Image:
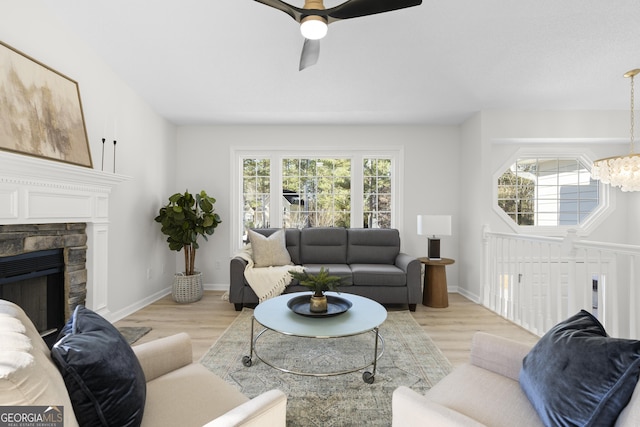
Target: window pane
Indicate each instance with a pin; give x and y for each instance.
(256, 189)
(384, 185)
(509, 206)
(377, 193)
(525, 219)
(322, 190)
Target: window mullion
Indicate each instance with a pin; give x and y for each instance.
(275, 201)
(357, 190)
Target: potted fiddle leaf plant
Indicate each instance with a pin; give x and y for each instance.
(318, 283)
(185, 218)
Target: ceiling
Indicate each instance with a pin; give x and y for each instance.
(236, 61)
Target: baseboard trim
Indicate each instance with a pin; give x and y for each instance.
(121, 314)
(465, 293)
(216, 287)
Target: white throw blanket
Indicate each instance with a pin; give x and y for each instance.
(266, 282)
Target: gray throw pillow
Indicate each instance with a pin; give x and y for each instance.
(269, 251)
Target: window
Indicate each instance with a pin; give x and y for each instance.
(316, 192)
(377, 193)
(256, 192)
(548, 192)
(314, 189)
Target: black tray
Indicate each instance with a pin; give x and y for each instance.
(335, 306)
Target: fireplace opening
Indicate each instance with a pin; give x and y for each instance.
(35, 281)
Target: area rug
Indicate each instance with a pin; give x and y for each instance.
(133, 333)
(410, 358)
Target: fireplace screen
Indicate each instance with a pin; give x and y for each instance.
(35, 281)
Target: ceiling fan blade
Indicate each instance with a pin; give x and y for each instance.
(294, 12)
(346, 10)
(357, 8)
(310, 53)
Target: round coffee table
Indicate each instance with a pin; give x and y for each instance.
(364, 316)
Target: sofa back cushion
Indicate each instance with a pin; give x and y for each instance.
(372, 246)
(323, 245)
(28, 376)
(292, 240)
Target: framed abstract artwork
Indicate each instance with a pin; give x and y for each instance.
(40, 111)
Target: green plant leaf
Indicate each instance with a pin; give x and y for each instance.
(320, 282)
(206, 205)
(185, 218)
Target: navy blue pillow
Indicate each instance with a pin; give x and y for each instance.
(102, 374)
(577, 375)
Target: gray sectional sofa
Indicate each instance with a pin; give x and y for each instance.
(369, 259)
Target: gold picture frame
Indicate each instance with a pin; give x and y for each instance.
(40, 111)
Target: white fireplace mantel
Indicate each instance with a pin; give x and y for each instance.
(40, 191)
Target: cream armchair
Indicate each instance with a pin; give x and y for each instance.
(179, 391)
(484, 392)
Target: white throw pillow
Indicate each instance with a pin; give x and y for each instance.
(269, 251)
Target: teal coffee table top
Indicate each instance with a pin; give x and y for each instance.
(363, 316)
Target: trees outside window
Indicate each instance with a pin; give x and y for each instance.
(377, 193)
(316, 192)
(256, 192)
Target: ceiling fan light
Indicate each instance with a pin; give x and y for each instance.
(313, 27)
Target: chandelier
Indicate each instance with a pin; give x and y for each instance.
(621, 171)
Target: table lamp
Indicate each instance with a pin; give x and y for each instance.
(434, 225)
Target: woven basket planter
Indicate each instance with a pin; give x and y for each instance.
(187, 288)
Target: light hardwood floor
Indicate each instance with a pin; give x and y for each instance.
(206, 320)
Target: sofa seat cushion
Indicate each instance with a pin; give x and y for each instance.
(210, 397)
(489, 398)
(578, 375)
(378, 275)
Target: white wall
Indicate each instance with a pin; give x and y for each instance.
(598, 134)
(430, 176)
(145, 150)
(474, 205)
(490, 138)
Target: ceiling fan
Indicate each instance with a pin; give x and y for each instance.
(314, 19)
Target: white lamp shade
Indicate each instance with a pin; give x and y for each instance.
(434, 225)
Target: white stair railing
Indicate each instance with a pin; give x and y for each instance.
(537, 281)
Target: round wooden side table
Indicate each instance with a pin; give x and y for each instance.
(434, 291)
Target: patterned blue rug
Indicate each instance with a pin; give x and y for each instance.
(410, 358)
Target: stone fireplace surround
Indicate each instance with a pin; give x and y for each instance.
(71, 238)
(67, 206)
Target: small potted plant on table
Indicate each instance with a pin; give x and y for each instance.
(319, 283)
(183, 220)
